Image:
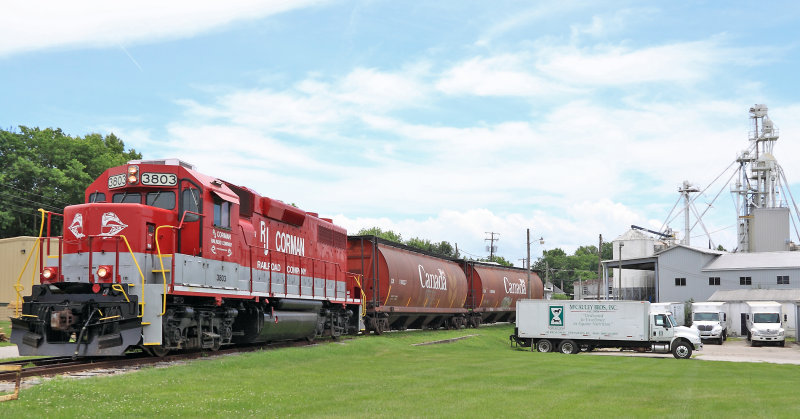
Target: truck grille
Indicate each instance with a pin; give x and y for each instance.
(704, 328)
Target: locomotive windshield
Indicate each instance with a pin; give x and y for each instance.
(127, 198)
(161, 199)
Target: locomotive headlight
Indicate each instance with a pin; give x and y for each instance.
(49, 274)
(133, 174)
(104, 272)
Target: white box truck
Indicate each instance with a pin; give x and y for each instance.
(677, 310)
(765, 323)
(567, 326)
(710, 319)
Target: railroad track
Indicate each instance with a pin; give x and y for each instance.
(66, 365)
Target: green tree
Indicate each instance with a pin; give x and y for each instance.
(377, 231)
(45, 168)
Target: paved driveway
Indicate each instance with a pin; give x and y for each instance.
(731, 350)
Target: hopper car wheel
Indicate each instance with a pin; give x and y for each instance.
(544, 345)
(568, 347)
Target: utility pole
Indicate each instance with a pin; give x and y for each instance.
(619, 261)
(529, 264)
(599, 265)
(491, 247)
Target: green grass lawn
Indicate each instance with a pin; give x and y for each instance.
(386, 376)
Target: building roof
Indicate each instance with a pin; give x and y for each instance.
(694, 249)
(756, 295)
(756, 260)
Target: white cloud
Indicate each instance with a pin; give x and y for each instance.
(500, 75)
(31, 25)
(617, 65)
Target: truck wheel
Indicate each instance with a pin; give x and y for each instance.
(782, 343)
(719, 341)
(682, 350)
(569, 347)
(544, 345)
(724, 335)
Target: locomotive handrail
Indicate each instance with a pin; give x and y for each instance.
(161, 261)
(360, 288)
(141, 304)
(325, 263)
(18, 287)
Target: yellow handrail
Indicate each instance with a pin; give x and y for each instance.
(18, 286)
(163, 274)
(141, 303)
(363, 296)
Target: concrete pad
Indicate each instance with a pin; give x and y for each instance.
(9, 351)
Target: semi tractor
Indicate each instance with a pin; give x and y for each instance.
(765, 323)
(710, 319)
(568, 326)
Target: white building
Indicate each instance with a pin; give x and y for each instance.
(737, 309)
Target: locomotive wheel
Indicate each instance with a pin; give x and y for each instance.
(156, 350)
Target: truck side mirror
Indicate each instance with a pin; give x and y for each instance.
(785, 318)
(747, 317)
(724, 317)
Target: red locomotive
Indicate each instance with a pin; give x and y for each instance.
(163, 257)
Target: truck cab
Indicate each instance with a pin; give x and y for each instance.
(710, 320)
(765, 323)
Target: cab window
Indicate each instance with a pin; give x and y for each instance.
(222, 213)
(161, 199)
(127, 198)
(97, 197)
(190, 198)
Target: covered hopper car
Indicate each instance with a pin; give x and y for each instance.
(405, 288)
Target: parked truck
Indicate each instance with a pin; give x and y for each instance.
(677, 310)
(567, 326)
(710, 319)
(765, 323)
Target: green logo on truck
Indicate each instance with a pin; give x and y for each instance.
(556, 315)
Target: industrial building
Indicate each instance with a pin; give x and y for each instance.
(764, 266)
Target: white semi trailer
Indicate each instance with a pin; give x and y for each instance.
(567, 326)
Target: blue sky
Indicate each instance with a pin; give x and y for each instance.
(442, 120)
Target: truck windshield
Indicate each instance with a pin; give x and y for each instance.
(706, 317)
(672, 320)
(766, 318)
